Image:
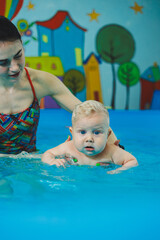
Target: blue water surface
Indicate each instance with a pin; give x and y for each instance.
(38, 201)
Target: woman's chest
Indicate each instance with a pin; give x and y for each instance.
(14, 101)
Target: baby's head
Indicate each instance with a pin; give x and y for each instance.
(90, 124)
(88, 108)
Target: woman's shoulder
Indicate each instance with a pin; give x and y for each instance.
(38, 74)
(35, 74)
(45, 83)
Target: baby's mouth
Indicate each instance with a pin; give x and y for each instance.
(89, 148)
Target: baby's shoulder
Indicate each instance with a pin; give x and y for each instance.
(67, 145)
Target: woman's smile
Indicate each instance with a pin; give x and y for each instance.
(15, 75)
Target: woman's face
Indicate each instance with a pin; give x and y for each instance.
(12, 62)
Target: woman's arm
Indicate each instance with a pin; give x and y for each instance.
(47, 84)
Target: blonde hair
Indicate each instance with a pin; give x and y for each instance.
(87, 108)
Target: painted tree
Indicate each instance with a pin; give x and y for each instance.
(128, 74)
(74, 80)
(115, 44)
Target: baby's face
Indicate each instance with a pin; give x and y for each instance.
(90, 134)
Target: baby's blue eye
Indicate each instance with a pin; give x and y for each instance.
(82, 131)
(97, 132)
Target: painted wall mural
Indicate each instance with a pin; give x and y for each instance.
(61, 36)
(115, 45)
(150, 87)
(137, 8)
(93, 81)
(128, 74)
(10, 8)
(74, 80)
(94, 49)
(25, 29)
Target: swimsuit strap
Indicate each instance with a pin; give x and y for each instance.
(30, 81)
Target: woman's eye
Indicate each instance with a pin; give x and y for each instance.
(4, 63)
(17, 57)
(82, 131)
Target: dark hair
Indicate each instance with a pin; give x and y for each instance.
(8, 31)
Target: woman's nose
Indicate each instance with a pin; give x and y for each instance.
(13, 66)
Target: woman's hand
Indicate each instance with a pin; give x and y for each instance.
(68, 138)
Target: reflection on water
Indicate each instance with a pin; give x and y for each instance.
(50, 201)
(24, 175)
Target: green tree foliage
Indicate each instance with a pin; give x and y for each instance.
(128, 74)
(115, 44)
(74, 80)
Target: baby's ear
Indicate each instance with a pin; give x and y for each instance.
(70, 129)
(109, 133)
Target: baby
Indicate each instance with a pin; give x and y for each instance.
(90, 144)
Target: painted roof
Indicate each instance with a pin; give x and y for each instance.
(89, 56)
(151, 74)
(57, 20)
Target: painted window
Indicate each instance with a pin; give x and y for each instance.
(78, 55)
(67, 28)
(92, 68)
(45, 54)
(39, 66)
(45, 38)
(96, 95)
(67, 20)
(54, 66)
(27, 64)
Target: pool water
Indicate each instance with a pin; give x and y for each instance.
(38, 201)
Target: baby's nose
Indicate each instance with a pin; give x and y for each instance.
(89, 139)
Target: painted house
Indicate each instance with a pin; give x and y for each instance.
(93, 82)
(52, 65)
(61, 36)
(150, 82)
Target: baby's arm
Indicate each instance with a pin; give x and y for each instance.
(124, 158)
(49, 156)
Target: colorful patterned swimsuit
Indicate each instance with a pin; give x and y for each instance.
(18, 131)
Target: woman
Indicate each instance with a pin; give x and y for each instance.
(20, 92)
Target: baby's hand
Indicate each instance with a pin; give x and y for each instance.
(58, 162)
(114, 171)
(50, 159)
